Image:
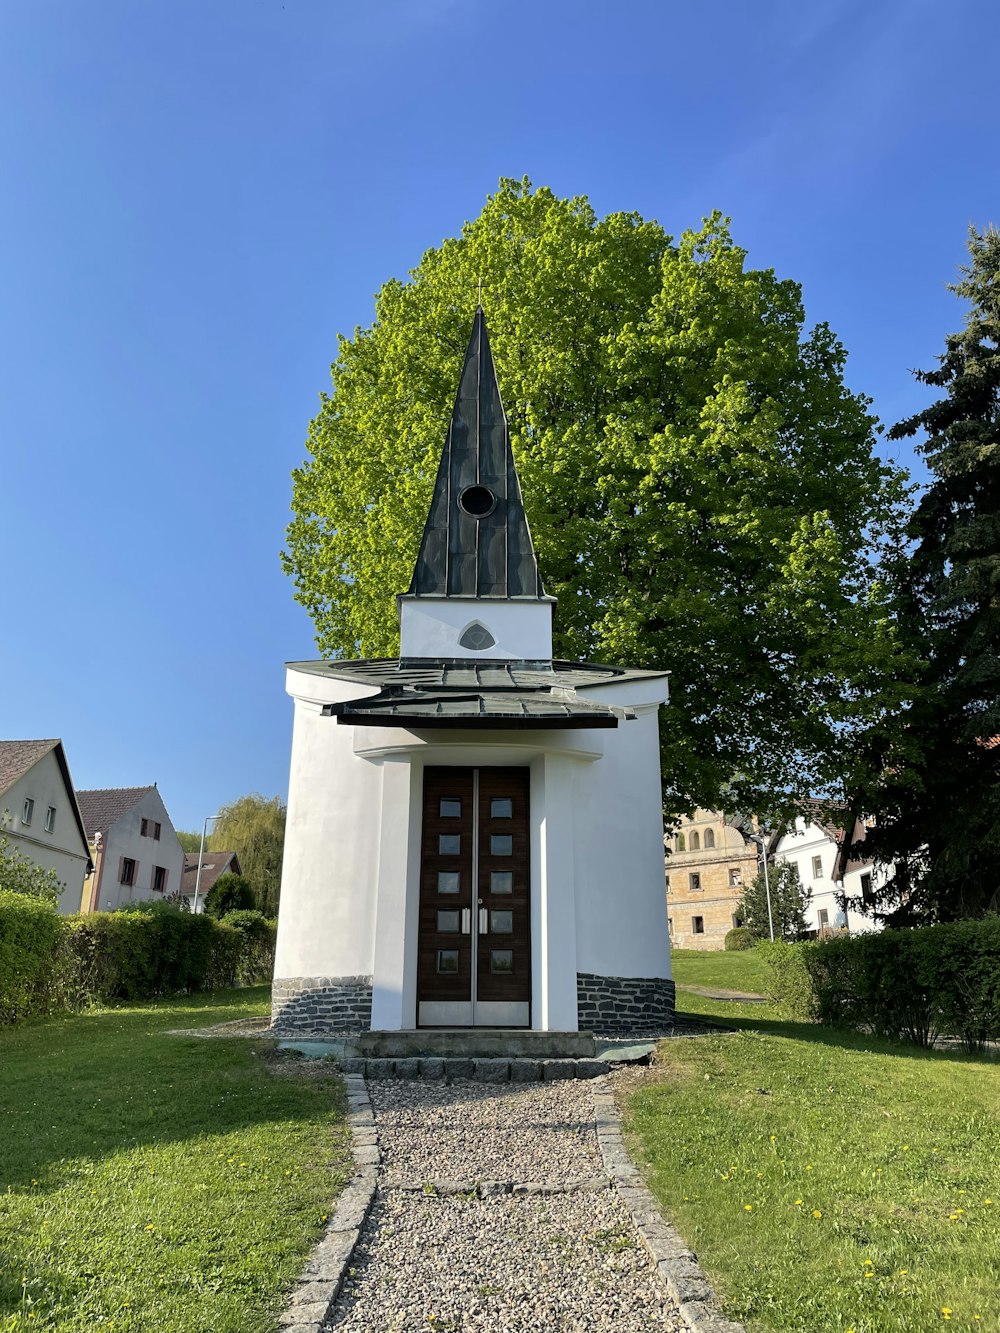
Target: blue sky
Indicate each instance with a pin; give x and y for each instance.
(198, 195)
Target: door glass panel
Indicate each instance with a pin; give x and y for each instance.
(501, 844)
(501, 923)
(501, 960)
(447, 960)
(451, 807)
(501, 881)
(449, 881)
(449, 844)
(502, 808)
(448, 922)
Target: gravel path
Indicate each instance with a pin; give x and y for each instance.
(494, 1212)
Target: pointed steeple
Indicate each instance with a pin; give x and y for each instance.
(476, 541)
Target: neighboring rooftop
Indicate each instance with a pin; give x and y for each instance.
(103, 806)
(214, 865)
(16, 757)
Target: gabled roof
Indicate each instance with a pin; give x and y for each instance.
(18, 757)
(476, 541)
(103, 806)
(213, 865)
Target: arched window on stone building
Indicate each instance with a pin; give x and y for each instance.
(695, 841)
(709, 838)
(680, 842)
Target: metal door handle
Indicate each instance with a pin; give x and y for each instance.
(466, 920)
(483, 921)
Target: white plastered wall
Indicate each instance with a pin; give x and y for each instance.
(350, 880)
(432, 627)
(63, 850)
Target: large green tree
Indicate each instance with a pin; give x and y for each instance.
(932, 773)
(789, 900)
(702, 487)
(254, 827)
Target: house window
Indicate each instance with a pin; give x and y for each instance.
(737, 920)
(680, 842)
(694, 883)
(144, 828)
(735, 877)
(127, 875)
(824, 918)
(156, 832)
(159, 879)
(149, 828)
(817, 867)
(50, 819)
(695, 841)
(709, 838)
(670, 926)
(667, 879)
(867, 896)
(698, 925)
(26, 813)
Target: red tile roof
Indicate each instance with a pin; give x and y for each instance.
(103, 806)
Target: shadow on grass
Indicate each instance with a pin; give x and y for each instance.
(78, 1088)
(842, 1038)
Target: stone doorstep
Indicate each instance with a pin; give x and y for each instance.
(489, 1069)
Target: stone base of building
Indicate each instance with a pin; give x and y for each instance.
(624, 1004)
(321, 1004)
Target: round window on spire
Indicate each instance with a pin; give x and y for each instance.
(477, 501)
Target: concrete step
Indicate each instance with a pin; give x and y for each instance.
(486, 1069)
(476, 1043)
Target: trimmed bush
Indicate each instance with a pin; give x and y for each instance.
(230, 893)
(51, 962)
(913, 985)
(256, 962)
(789, 983)
(30, 932)
(739, 939)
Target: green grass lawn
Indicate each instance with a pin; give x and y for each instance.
(718, 969)
(828, 1182)
(158, 1184)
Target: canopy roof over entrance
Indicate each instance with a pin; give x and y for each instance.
(457, 692)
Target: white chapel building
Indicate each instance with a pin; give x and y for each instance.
(474, 833)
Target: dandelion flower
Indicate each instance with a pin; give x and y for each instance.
(748, 1207)
(817, 1212)
(798, 1203)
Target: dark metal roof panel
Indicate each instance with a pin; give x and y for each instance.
(464, 553)
(462, 673)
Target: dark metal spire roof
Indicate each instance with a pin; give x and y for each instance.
(476, 541)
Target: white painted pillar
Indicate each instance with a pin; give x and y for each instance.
(389, 1009)
(553, 874)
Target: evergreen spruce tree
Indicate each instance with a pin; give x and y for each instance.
(938, 789)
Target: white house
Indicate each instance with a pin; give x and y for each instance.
(39, 814)
(821, 851)
(474, 832)
(135, 849)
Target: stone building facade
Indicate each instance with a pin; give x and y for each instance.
(708, 862)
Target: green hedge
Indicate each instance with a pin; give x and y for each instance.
(913, 985)
(739, 939)
(789, 983)
(30, 935)
(50, 962)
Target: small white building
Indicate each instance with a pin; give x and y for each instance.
(821, 851)
(39, 814)
(474, 832)
(136, 852)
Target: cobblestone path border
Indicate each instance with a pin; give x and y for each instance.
(313, 1296)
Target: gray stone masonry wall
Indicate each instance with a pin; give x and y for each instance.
(321, 1005)
(624, 1004)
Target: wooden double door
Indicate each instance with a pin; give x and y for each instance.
(474, 966)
